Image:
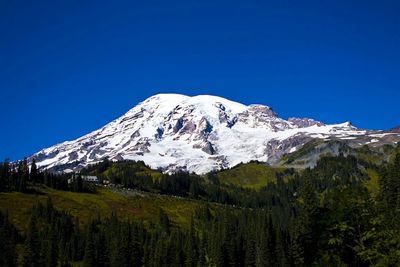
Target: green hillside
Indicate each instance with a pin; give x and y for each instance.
(85, 206)
(251, 175)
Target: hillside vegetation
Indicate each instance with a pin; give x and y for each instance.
(251, 175)
(127, 205)
(343, 212)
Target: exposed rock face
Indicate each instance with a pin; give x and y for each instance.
(206, 147)
(200, 134)
(277, 148)
(304, 122)
(395, 130)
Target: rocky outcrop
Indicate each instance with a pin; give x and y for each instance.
(304, 122)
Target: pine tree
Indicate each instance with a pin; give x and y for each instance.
(89, 259)
(250, 253)
(164, 221)
(32, 246)
(191, 248)
(49, 249)
(390, 192)
(8, 237)
(5, 176)
(25, 170)
(136, 250)
(121, 254)
(102, 256)
(303, 242)
(280, 249)
(22, 173)
(202, 252)
(79, 183)
(34, 172)
(261, 255)
(271, 242)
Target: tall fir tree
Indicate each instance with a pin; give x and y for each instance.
(34, 171)
(32, 245)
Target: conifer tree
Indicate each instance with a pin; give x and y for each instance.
(191, 247)
(32, 246)
(164, 221)
(34, 172)
(8, 237)
(21, 176)
(90, 253)
(49, 248)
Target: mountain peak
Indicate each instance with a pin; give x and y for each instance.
(195, 133)
(166, 97)
(193, 100)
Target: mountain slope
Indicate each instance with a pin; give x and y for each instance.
(199, 134)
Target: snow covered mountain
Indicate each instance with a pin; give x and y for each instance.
(199, 134)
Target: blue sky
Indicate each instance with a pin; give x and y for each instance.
(68, 68)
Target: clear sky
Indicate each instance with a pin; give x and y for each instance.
(69, 67)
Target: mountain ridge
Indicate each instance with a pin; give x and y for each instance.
(200, 134)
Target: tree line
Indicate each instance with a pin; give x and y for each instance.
(323, 216)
